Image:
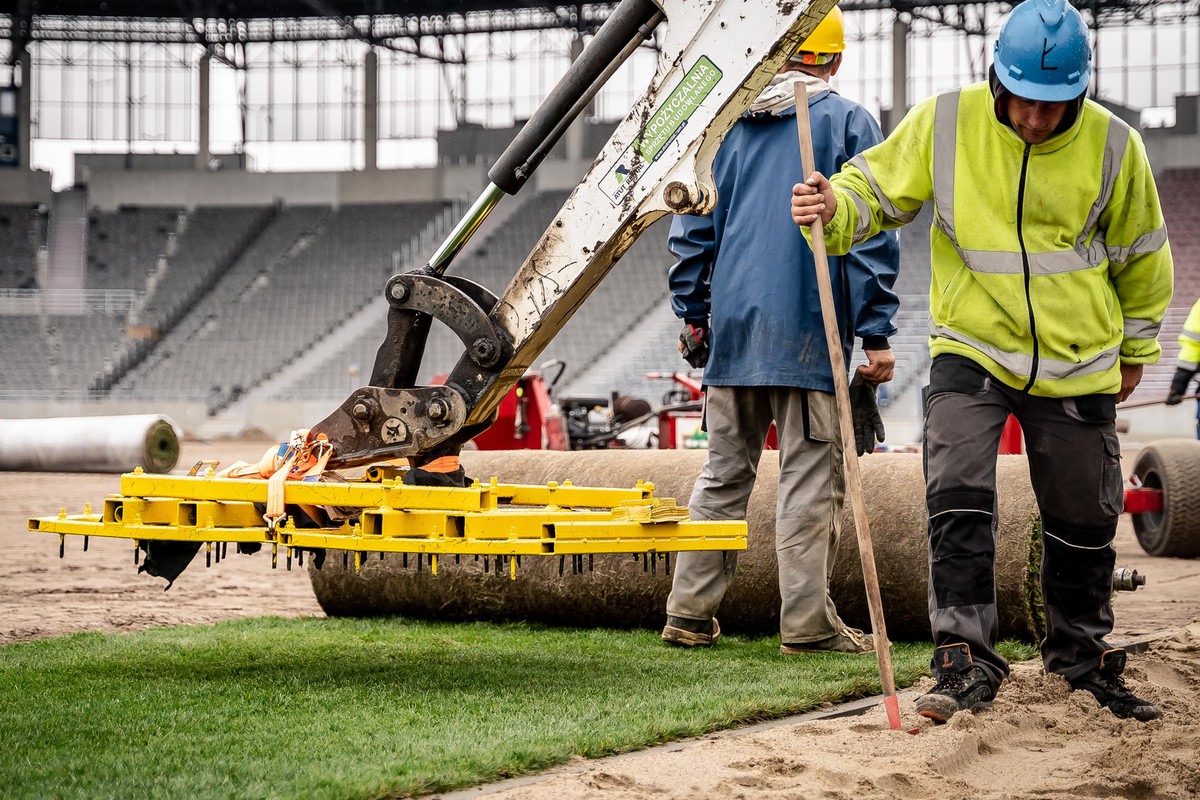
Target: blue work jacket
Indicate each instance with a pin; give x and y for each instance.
(748, 269)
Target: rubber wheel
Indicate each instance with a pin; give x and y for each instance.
(1173, 466)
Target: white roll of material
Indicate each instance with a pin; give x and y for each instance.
(90, 444)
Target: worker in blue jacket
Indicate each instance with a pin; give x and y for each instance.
(745, 286)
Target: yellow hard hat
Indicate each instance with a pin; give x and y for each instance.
(828, 37)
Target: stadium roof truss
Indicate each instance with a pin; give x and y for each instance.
(217, 23)
(330, 36)
(391, 24)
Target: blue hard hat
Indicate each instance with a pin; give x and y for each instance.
(1043, 51)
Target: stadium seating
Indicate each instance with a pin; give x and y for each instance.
(211, 239)
(123, 246)
(635, 285)
(230, 296)
(308, 270)
(22, 232)
(83, 346)
(25, 354)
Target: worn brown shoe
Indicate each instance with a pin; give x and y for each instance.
(847, 640)
(684, 632)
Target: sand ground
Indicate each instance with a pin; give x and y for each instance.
(1038, 741)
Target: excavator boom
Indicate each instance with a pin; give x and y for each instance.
(715, 57)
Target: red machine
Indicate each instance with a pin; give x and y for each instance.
(527, 419)
(530, 418)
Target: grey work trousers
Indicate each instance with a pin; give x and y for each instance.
(808, 508)
(1074, 466)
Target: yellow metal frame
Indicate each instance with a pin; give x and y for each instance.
(488, 519)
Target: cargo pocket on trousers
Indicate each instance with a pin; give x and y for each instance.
(820, 417)
(1112, 489)
(1091, 408)
(953, 374)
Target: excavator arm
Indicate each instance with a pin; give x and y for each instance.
(715, 57)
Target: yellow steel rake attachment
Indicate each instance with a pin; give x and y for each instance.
(379, 514)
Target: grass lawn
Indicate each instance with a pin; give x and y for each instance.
(341, 708)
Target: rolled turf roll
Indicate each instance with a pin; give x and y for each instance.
(89, 444)
(620, 591)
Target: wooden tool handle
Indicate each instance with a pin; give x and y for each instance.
(837, 361)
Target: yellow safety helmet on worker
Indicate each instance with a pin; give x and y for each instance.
(825, 43)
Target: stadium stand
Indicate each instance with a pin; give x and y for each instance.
(491, 264)
(237, 294)
(648, 348)
(22, 232)
(123, 246)
(309, 269)
(634, 286)
(209, 243)
(83, 346)
(25, 354)
(160, 372)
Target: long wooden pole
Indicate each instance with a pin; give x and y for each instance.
(837, 360)
(1148, 403)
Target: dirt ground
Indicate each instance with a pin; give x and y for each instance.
(1038, 741)
(101, 590)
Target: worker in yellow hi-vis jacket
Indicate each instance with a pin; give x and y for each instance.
(1051, 272)
(1189, 362)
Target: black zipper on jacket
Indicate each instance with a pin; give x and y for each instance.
(1025, 266)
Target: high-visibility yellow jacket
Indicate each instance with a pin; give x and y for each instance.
(1189, 341)
(1050, 262)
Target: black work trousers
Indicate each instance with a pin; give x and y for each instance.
(1075, 470)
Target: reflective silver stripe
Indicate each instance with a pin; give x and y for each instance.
(1053, 369)
(1190, 335)
(889, 208)
(1147, 243)
(1078, 546)
(864, 217)
(1192, 365)
(1021, 365)
(945, 147)
(999, 262)
(1016, 363)
(963, 511)
(1114, 153)
(1141, 328)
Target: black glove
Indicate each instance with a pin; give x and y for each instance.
(1179, 385)
(693, 342)
(868, 425)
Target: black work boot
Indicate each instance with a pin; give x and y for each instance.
(1106, 683)
(961, 686)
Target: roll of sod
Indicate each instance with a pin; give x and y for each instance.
(619, 591)
(89, 444)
